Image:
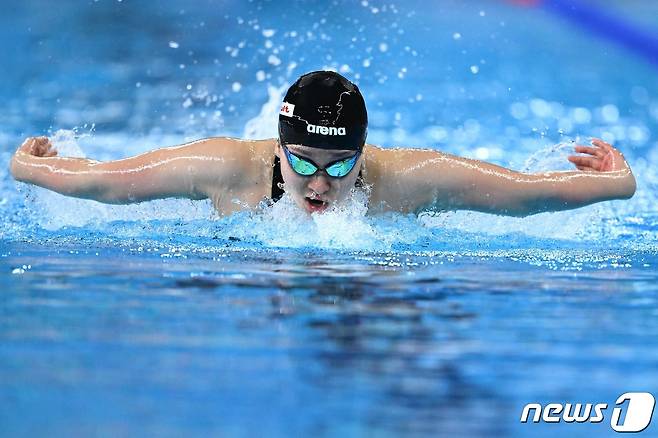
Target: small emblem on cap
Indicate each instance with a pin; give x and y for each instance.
(287, 109)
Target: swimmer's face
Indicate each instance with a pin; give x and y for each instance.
(319, 191)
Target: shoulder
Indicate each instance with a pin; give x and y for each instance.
(225, 157)
(236, 169)
(402, 178)
(387, 162)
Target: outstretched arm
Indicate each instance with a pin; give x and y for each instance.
(187, 171)
(435, 181)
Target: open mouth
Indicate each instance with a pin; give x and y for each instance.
(316, 204)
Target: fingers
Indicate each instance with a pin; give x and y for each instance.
(589, 162)
(27, 145)
(597, 152)
(603, 145)
(599, 142)
(38, 146)
(41, 146)
(599, 145)
(48, 150)
(601, 157)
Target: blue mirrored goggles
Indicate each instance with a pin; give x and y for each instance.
(306, 167)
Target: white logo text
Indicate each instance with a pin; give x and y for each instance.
(637, 406)
(325, 130)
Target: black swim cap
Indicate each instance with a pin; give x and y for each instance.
(323, 110)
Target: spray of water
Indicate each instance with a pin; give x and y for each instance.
(346, 226)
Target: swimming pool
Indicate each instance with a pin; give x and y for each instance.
(162, 318)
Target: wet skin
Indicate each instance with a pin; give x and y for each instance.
(320, 191)
(237, 174)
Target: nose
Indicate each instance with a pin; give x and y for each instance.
(319, 184)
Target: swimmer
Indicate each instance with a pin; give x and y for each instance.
(319, 157)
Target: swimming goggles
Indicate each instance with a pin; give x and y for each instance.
(306, 167)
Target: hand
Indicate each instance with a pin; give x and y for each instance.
(38, 147)
(602, 157)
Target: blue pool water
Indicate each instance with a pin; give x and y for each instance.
(164, 319)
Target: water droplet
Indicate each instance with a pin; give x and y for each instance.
(610, 113)
(274, 60)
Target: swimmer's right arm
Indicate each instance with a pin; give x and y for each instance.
(187, 171)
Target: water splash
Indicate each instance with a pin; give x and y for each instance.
(346, 226)
(264, 125)
(52, 211)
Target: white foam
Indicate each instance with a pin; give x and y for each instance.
(53, 211)
(264, 125)
(345, 226)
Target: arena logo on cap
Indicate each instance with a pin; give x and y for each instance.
(325, 130)
(287, 109)
(634, 417)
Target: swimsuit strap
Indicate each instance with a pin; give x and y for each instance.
(359, 179)
(277, 180)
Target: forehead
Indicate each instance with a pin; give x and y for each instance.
(320, 153)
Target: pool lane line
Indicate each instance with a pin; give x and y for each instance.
(605, 24)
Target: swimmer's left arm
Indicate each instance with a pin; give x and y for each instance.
(437, 181)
